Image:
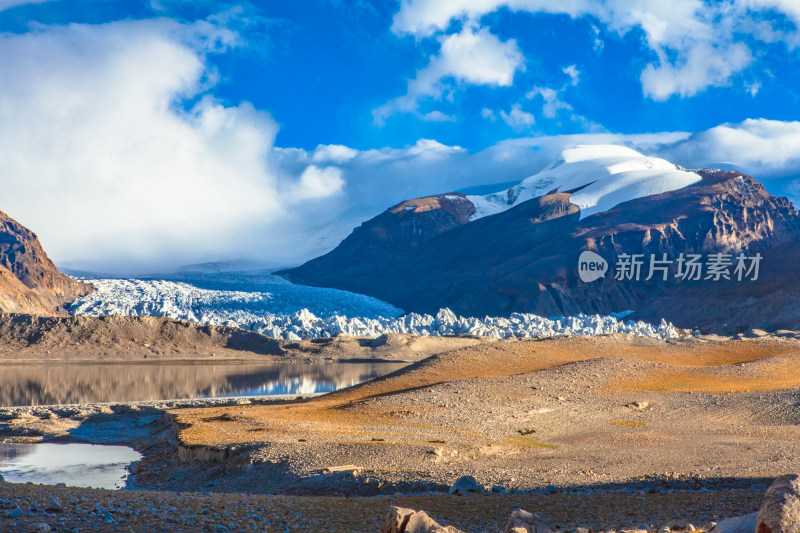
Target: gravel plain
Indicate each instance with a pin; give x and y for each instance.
(613, 432)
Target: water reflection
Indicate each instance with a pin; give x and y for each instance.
(60, 383)
(76, 465)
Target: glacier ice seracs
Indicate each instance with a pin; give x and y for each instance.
(285, 315)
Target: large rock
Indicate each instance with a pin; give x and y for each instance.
(401, 520)
(522, 521)
(465, 485)
(739, 524)
(420, 522)
(53, 505)
(780, 510)
(397, 520)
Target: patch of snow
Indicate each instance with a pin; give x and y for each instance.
(606, 176)
(284, 314)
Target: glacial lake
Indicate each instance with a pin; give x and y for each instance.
(75, 465)
(49, 383)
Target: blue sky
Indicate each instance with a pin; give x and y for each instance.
(193, 130)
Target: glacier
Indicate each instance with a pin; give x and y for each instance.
(283, 310)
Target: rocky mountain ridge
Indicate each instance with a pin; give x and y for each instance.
(525, 258)
(29, 281)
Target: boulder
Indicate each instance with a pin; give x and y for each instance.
(397, 520)
(420, 522)
(53, 505)
(739, 524)
(464, 485)
(780, 509)
(522, 521)
(401, 520)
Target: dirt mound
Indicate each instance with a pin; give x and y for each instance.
(115, 337)
(125, 338)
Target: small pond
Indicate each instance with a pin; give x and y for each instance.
(76, 465)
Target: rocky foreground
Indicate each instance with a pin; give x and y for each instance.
(601, 433)
(40, 508)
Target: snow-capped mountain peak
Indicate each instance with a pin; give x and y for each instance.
(601, 176)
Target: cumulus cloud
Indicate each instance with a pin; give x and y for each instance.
(333, 153)
(766, 148)
(438, 116)
(552, 103)
(694, 44)
(113, 151)
(702, 66)
(472, 56)
(517, 118)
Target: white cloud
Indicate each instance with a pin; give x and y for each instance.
(102, 159)
(471, 56)
(767, 148)
(552, 103)
(573, 73)
(317, 182)
(333, 153)
(551, 98)
(704, 65)
(438, 116)
(694, 42)
(753, 88)
(517, 118)
(8, 4)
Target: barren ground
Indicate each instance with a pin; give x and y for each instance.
(591, 431)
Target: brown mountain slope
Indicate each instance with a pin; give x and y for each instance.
(29, 281)
(525, 259)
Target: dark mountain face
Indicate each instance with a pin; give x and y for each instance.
(525, 259)
(29, 281)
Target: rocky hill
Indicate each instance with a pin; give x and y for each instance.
(29, 281)
(521, 255)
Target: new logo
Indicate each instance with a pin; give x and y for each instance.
(591, 267)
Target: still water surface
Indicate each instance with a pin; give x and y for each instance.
(62, 383)
(76, 465)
